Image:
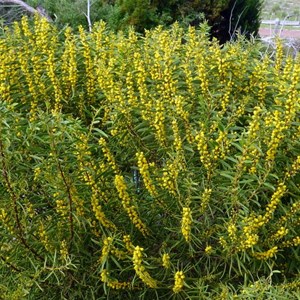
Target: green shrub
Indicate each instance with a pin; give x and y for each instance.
(153, 168)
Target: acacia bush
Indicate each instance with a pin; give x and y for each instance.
(158, 167)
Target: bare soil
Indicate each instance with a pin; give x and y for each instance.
(295, 34)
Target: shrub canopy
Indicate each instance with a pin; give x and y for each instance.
(154, 167)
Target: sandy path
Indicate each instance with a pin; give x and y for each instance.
(264, 32)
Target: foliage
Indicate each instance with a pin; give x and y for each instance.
(147, 168)
(242, 16)
(224, 16)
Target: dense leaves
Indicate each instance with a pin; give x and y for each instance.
(153, 167)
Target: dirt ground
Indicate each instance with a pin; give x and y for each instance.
(264, 32)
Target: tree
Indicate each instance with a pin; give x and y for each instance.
(240, 16)
(225, 17)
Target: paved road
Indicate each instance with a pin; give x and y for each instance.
(264, 32)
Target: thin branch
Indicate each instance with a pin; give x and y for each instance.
(14, 198)
(88, 15)
(10, 265)
(41, 12)
(70, 200)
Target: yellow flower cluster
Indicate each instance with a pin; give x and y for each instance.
(170, 175)
(250, 236)
(166, 260)
(158, 123)
(202, 147)
(232, 231)
(83, 156)
(294, 209)
(5, 59)
(137, 260)
(267, 254)
(202, 73)
(128, 244)
(177, 139)
(222, 146)
(186, 222)
(144, 170)
(55, 82)
(30, 210)
(294, 168)
(89, 66)
(113, 283)
(279, 56)
(129, 208)
(208, 250)
(205, 197)
(69, 63)
(179, 282)
(44, 237)
(4, 221)
(294, 242)
(254, 125)
(257, 80)
(276, 136)
(107, 245)
(275, 199)
(226, 97)
(62, 207)
(108, 155)
(63, 250)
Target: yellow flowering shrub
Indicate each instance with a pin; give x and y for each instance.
(154, 167)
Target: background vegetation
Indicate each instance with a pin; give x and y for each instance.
(281, 9)
(225, 17)
(154, 167)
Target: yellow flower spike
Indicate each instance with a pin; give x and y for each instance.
(275, 199)
(222, 147)
(295, 168)
(202, 147)
(96, 194)
(69, 63)
(177, 139)
(63, 250)
(128, 207)
(276, 136)
(186, 222)
(166, 260)
(205, 199)
(208, 250)
(144, 170)
(108, 155)
(170, 175)
(137, 259)
(25, 27)
(106, 248)
(281, 232)
(89, 66)
(267, 254)
(128, 244)
(232, 231)
(114, 284)
(51, 68)
(44, 237)
(179, 282)
(279, 56)
(62, 208)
